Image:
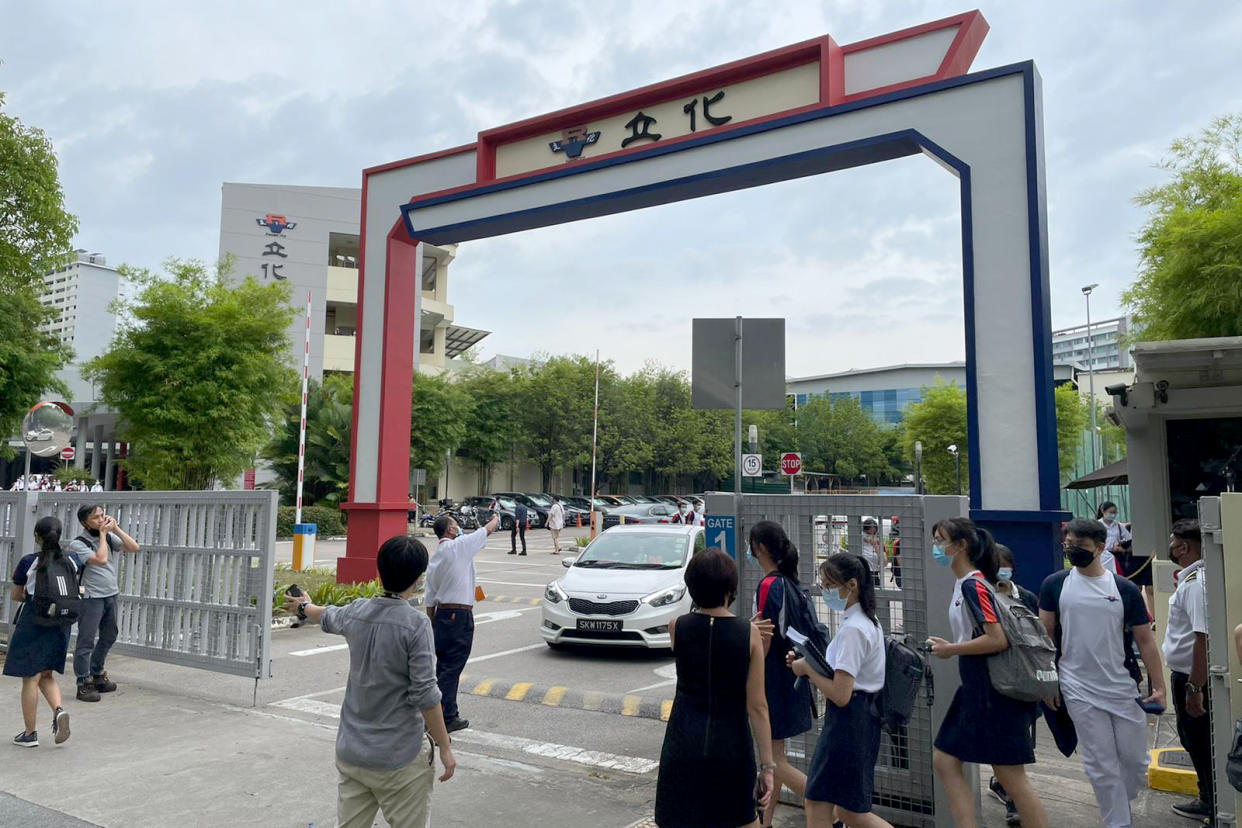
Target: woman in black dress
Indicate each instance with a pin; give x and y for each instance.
(707, 766)
(789, 701)
(34, 650)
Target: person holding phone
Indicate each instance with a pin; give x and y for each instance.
(1096, 617)
(841, 781)
(99, 546)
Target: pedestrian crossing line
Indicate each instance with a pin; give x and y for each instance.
(629, 705)
(553, 697)
(518, 691)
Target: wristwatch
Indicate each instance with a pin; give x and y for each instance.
(1193, 689)
(302, 610)
(767, 766)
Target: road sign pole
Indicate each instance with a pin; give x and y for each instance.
(737, 415)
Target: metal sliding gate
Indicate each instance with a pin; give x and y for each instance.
(912, 601)
(198, 593)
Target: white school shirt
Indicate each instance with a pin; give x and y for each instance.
(556, 517)
(696, 518)
(961, 617)
(1116, 535)
(1187, 616)
(858, 649)
(450, 575)
(1109, 561)
(1093, 617)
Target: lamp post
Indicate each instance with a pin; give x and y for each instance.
(918, 466)
(957, 465)
(1086, 291)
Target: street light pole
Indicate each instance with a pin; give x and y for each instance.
(918, 467)
(1086, 291)
(957, 465)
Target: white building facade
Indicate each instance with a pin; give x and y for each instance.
(1099, 349)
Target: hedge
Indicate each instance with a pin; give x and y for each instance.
(330, 520)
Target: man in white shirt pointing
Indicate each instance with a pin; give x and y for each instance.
(449, 598)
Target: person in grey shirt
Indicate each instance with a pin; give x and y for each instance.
(391, 697)
(97, 618)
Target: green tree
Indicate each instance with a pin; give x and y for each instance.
(841, 438)
(1190, 272)
(1072, 418)
(35, 235)
(939, 421)
(329, 426)
(439, 409)
(556, 409)
(200, 377)
(493, 425)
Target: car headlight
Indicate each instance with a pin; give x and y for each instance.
(665, 596)
(554, 594)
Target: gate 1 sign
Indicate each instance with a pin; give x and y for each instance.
(721, 531)
(791, 463)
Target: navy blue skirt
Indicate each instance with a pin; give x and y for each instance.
(34, 648)
(982, 726)
(843, 768)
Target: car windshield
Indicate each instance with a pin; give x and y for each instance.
(540, 500)
(635, 550)
(505, 503)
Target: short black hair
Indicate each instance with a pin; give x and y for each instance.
(1187, 529)
(401, 561)
(85, 511)
(1087, 528)
(1004, 555)
(711, 577)
(440, 527)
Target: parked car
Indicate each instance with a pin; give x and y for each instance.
(507, 508)
(575, 508)
(537, 512)
(623, 589)
(612, 500)
(640, 513)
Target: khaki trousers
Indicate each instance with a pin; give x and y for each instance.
(403, 794)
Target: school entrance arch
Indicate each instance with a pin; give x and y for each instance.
(810, 108)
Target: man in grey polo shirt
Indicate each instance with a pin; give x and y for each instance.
(97, 618)
(383, 760)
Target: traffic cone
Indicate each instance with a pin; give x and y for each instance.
(580, 520)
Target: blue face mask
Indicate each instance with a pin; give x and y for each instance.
(1005, 574)
(834, 600)
(940, 555)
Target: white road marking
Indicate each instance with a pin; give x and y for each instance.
(667, 671)
(505, 653)
(501, 615)
(567, 753)
(550, 750)
(510, 583)
(331, 648)
(652, 686)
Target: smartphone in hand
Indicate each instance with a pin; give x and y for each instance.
(295, 591)
(1154, 708)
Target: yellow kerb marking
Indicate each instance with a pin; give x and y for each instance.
(666, 709)
(483, 687)
(553, 697)
(518, 691)
(629, 705)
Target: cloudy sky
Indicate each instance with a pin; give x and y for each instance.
(151, 106)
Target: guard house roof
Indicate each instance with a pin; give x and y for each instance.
(1190, 363)
(459, 339)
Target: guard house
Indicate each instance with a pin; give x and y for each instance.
(1183, 421)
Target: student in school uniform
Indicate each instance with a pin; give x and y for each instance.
(1096, 617)
(981, 726)
(841, 780)
(1117, 539)
(1006, 585)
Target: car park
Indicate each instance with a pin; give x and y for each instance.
(640, 513)
(623, 589)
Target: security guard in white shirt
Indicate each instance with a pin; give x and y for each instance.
(449, 598)
(1185, 650)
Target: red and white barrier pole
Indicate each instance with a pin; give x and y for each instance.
(304, 534)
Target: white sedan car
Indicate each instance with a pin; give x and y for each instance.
(623, 589)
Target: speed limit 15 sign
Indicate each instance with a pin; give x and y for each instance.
(752, 465)
(791, 463)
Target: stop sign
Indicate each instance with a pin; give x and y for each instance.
(67, 453)
(791, 463)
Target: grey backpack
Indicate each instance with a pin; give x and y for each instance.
(1027, 669)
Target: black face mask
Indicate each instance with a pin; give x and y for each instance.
(1173, 556)
(1080, 557)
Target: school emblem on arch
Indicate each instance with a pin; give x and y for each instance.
(276, 224)
(574, 141)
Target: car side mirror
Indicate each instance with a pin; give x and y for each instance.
(568, 561)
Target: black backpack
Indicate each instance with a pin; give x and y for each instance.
(904, 672)
(57, 598)
(798, 612)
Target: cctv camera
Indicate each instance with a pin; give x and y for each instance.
(1115, 390)
(1162, 385)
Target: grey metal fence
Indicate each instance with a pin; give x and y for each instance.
(198, 593)
(912, 602)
